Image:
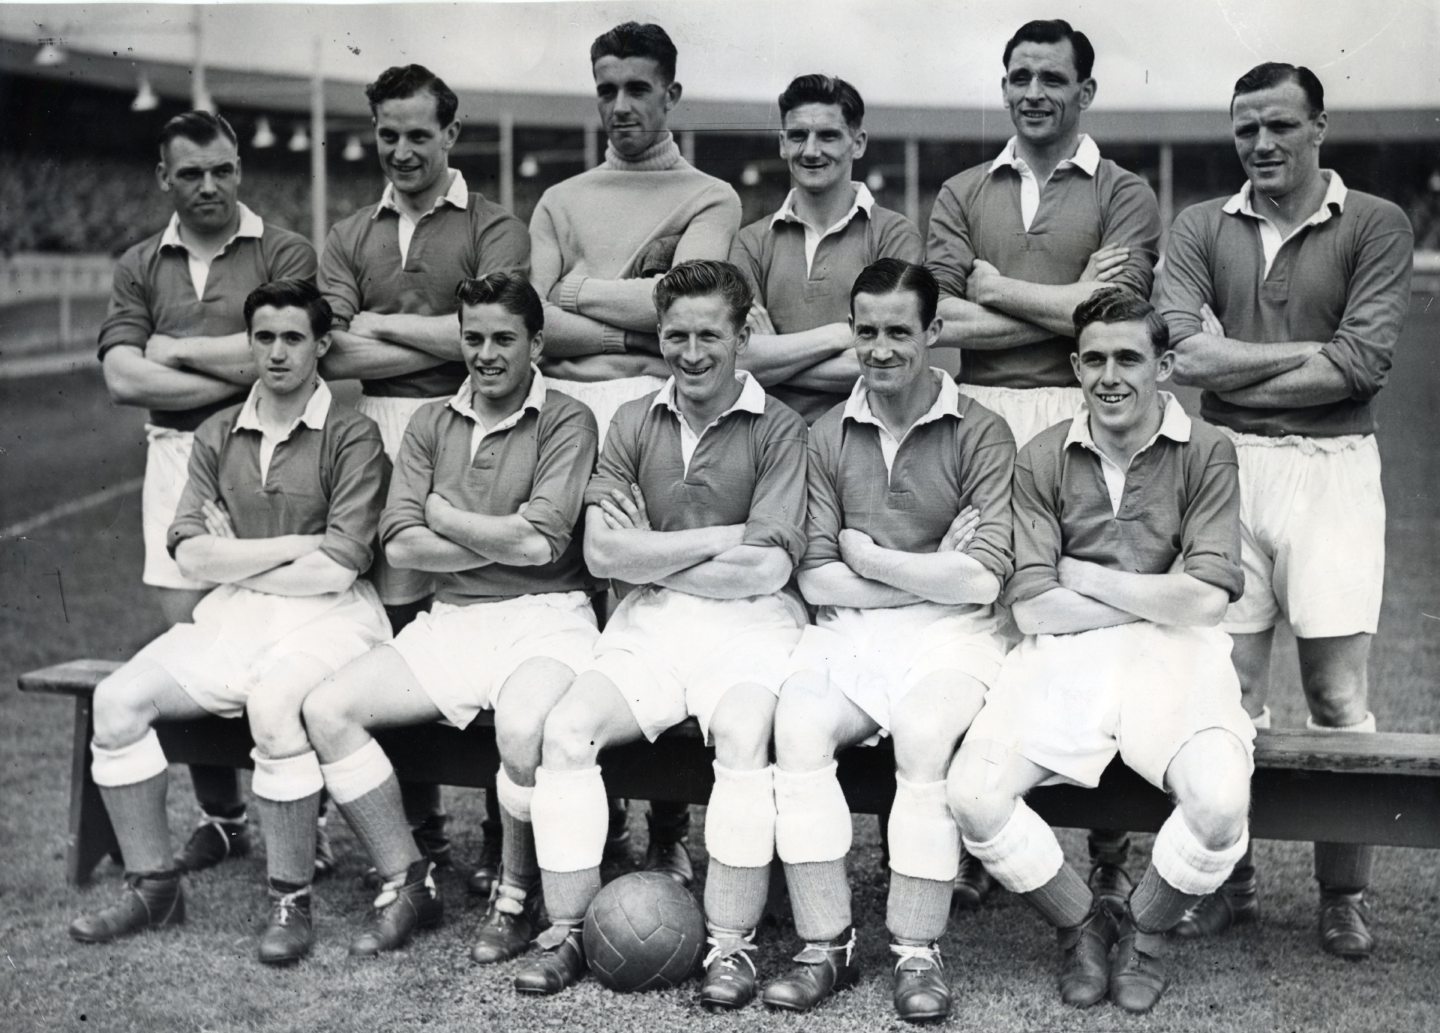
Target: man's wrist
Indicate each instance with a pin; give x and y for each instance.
(614, 340)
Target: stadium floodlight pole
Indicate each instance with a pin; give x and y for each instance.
(317, 148)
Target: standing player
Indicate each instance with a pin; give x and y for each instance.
(599, 243)
(1285, 302)
(486, 494)
(390, 270)
(908, 545)
(698, 499)
(801, 261)
(279, 511)
(174, 342)
(1127, 543)
(1016, 244)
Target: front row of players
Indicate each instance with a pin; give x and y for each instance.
(1125, 555)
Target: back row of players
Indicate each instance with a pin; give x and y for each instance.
(1134, 526)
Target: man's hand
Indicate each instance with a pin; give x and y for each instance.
(980, 284)
(437, 508)
(625, 512)
(759, 320)
(1106, 264)
(367, 324)
(1074, 574)
(856, 548)
(961, 531)
(166, 350)
(217, 519)
(1209, 323)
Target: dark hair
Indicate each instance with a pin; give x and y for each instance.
(1274, 73)
(292, 294)
(824, 89)
(401, 81)
(1055, 30)
(632, 39)
(894, 275)
(510, 291)
(703, 277)
(199, 127)
(1118, 305)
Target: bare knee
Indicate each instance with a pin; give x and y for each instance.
(1337, 699)
(806, 736)
(519, 733)
(569, 740)
(741, 735)
(122, 710)
(1213, 788)
(275, 724)
(979, 808)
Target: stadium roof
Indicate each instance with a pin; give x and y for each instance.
(267, 92)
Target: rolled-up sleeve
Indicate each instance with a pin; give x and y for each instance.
(1037, 527)
(1376, 304)
(1132, 220)
(900, 239)
(777, 505)
(202, 484)
(412, 478)
(1184, 281)
(294, 259)
(337, 279)
(1210, 527)
(562, 470)
(822, 504)
(948, 251)
(504, 247)
(128, 319)
(619, 463)
(986, 483)
(357, 495)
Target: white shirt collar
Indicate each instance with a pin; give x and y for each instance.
(1174, 424)
(864, 202)
(458, 195)
(947, 402)
(251, 225)
(462, 401)
(1334, 198)
(752, 397)
(313, 416)
(1086, 158)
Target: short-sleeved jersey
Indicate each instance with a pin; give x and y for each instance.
(328, 480)
(1181, 498)
(152, 293)
(1343, 281)
(977, 215)
(748, 468)
(536, 464)
(361, 271)
(959, 454)
(770, 254)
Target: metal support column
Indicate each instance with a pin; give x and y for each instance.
(507, 161)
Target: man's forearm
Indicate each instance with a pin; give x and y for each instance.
(952, 578)
(434, 335)
(1316, 381)
(511, 540)
(367, 358)
(835, 584)
(420, 548)
(628, 304)
(208, 557)
(1170, 598)
(776, 358)
(836, 375)
(1051, 306)
(1063, 612)
(641, 556)
(738, 573)
(133, 379)
(225, 357)
(1224, 364)
(968, 325)
(312, 574)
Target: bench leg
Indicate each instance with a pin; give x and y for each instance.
(91, 834)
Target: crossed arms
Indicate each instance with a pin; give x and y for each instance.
(290, 564)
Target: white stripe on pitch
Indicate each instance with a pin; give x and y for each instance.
(65, 509)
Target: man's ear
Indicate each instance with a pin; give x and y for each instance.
(672, 95)
(1087, 93)
(932, 332)
(1165, 365)
(322, 345)
(537, 346)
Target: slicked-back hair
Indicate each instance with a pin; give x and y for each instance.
(292, 294)
(1118, 305)
(510, 291)
(701, 278)
(1275, 73)
(199, 127)
(401, 81)
(631, 39)
(1055, 30)
(894, 275)
(824, 89)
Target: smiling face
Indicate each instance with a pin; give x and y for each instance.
(1277, 139)
(203, 181)
(413, 146)
(634, 101)
(1044, 93)
(892, 341)
(819, 147)
(1120, 375)
(498, 351)
(700, 341)
(284, 348)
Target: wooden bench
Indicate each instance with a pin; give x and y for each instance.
(1382, 789)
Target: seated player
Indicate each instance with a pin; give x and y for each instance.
(698, 499)
(280, 510)
(1127, 551)
(486, 496)
(908, 545)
